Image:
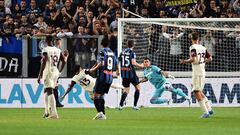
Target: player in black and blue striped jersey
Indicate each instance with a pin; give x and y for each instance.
(127, 61)
(105, 66)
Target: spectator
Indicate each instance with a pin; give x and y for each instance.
(209, 42)
(16, 11)
(24, 21)
(41, 23)
(50, 7)
(23, 7)
(175, 46)
(211, 11)
(32, 19)
(114, 24)
(70, 10)
(237, 7)
(33, 8)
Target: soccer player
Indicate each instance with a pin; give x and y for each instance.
(198, 57)
(157, 77)
(86, 82)
(127, 61)
(105, 65)
(49, 72)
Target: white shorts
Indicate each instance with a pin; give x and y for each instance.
(50, 79)
(198, 83)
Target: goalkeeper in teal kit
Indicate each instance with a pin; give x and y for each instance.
(157, 77)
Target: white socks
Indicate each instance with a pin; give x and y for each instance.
(207, 104)
(52, 104)
(46, 102)
(203, 106)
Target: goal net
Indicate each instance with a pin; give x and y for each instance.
(165, 41)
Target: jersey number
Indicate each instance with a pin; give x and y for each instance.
(54, 60)
(85, 82)
(125, 61)
(110, 63)
(202, 58)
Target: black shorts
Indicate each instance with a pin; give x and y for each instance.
(101, 87)
(126, 81)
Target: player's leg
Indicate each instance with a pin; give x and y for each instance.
(52, 103)
(68, 89)
(55, 92)
(208, 105)
(156, 98)
(126, 85)
(46, 111)
(177, 91)
(135, 82)
(197, 90)
(98, 100)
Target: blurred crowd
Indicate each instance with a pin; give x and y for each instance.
(97, 17)
(74, 18)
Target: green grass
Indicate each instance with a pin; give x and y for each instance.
(147, 121)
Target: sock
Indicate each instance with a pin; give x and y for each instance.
(209, 107)
(97, 104)
(136, 97)
(55, 92)
(102, 101)
(158, 101)
(203, 106)
(124, 95)
(52, 104)
(180, 92)
(46, 102)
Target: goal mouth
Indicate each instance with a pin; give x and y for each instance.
(166, 40)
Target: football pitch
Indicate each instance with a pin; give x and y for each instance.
(147, 121)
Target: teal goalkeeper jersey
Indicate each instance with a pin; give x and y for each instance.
(153, 74)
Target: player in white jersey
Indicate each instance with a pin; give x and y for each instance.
(198, 57)
(87, 82)
(49, 72)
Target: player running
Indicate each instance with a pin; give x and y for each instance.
(49, 72)
(198, 57)
(157, 77)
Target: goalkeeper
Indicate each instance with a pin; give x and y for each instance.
(157, 77)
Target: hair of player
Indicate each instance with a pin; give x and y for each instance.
(105, 41)
(49, 39)
(130, 43)
(195, 36)
(147, 59)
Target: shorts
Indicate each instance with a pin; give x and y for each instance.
(126, 81)
(50, 80)
(101, 87)
(198, 83)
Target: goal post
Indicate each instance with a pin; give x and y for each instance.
(165, 40)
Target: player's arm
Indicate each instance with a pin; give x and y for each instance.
(167, 74)
(99, 63)
(192, 59)
(134, 62)
(143, 80)
(43, 65)
(63, 58)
